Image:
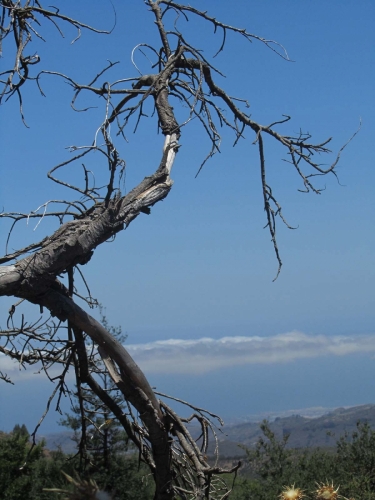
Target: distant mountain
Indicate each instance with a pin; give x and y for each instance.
(312, 412)
(304, 432)
(59, 440)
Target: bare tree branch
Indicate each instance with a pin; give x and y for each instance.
(91, 215)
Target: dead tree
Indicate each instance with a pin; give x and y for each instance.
(43, 273)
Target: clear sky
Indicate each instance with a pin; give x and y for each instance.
(191, 284)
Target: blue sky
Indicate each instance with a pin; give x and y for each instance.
(201, 265)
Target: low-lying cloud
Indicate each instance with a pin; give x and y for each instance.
(16, 372)
(207, 354)
(176, 356)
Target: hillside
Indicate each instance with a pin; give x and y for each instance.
(304, 432)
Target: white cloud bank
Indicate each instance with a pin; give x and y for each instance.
(207, 354)
(17, 372)
(204, 355)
